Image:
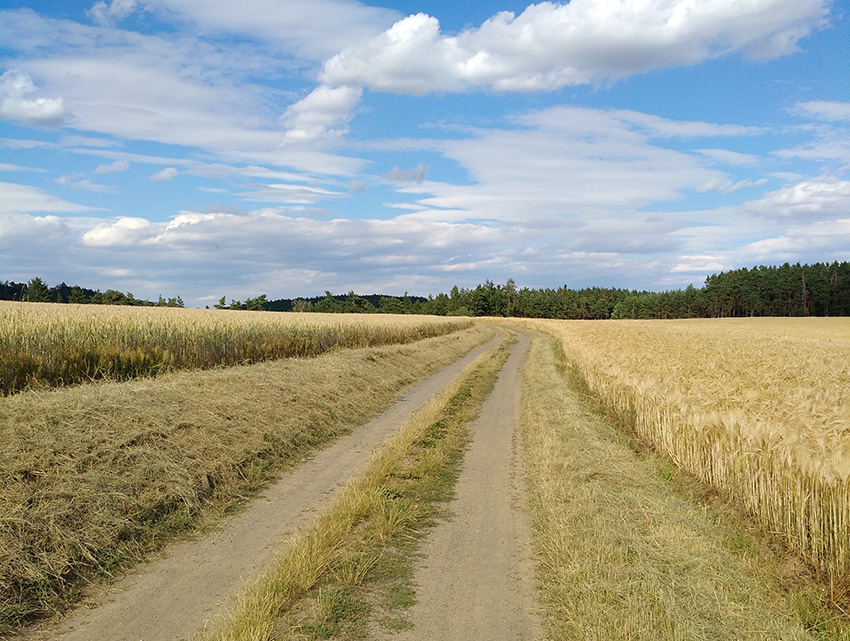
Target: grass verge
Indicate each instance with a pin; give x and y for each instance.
(624, 555)
(95, 477)
(352, 568)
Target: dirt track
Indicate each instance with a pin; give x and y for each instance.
(173, 598)
(475, 580)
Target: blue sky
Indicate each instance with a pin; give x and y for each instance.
(288, 148)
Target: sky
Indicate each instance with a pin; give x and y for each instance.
(288, 148)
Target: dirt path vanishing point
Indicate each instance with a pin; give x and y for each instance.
(476, 578)
(172, 598)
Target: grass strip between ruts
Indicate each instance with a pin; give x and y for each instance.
(351, 569)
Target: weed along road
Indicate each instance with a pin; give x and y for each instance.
(476, 578)
(174, 597)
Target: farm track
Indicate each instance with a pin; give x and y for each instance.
(476, 576)
(177, 596)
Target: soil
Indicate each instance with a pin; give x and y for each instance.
(177, 596)
(476, 576)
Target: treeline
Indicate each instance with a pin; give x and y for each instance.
(37, 291)
(356, 303)
(788, 290)
(821, 289)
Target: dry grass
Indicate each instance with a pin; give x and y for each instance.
(759, 408)
(620, 555)
(389, 501)
(43, 344)
(95, 476)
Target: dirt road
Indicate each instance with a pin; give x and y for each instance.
(475, 580)
(172, 598)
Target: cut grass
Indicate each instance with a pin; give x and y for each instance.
(352, 568)
(621, 553)
(95, 477)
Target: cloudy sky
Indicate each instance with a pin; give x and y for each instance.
(288, 147)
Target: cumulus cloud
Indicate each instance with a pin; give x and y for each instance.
(323, 114)
(117, 166)
(15, 88)
(124, 231)
(555, 45)
(164, 174)
(550, 46)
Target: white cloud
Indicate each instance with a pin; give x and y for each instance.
(294, 194)
(124, 231)
(824, 110)
(323, 114)
(15, 87)
(416, 175)
(77, 180)
(312, 30)
(555, 45)
(804, 243)
(565, 162)
(164, 174)
(550, 46)
(9, 167)
(727, 186)
(25, 199)
(109, 14)
(808, 200)
(116, 166)
(728, 157)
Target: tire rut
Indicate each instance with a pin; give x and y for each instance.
(476, 578)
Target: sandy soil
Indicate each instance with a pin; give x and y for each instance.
(476, 577)
(176, 596)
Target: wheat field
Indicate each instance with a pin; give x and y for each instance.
(758, 408)
(49, 345)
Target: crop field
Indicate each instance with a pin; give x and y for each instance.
(94, 476)
(759, 409)
(42, 344)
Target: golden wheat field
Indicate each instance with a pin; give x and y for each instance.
(759, 408)
(43, 344)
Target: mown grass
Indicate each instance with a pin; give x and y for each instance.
(49, 345)
(351, 570)
(626, 550)
(94, 477)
